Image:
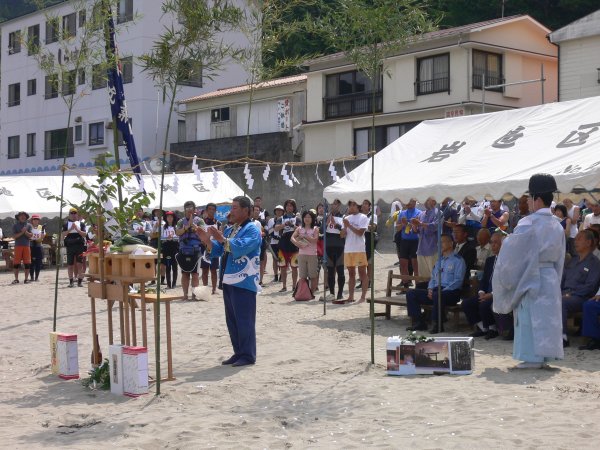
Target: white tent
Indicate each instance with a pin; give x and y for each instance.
(29, 193)
(484, 155)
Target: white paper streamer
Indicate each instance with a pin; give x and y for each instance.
(266, 172)
(317, 175)
(286, 177)
(333, 171)
(294, 176)
(215, 177)
(175, 183)
(196, 169)
(345, 171)
(248, 176)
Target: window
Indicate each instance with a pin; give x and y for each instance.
(488, 65)
(181, 131)
(433, 74)
(33, 35)
(55, 141)
(219, 115)
(191, 73)
(14, 42)
(31, 144)
(69, 83)
(81, 77)
(384, 136)
(350, 93)
(52, 29)
(127, 69)
(69, 23)
(81, 18)
(79, 134)
(14, 94)
(125, 11)
(13, 147)
(51, 87)
(32, 86)
(96, 133)
(98, 77)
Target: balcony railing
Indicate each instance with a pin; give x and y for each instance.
(352, 104)
(490, 80)
(432, 86)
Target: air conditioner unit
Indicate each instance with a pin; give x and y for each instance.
(78, 119)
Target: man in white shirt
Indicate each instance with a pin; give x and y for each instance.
(592, 218)
(355, 225)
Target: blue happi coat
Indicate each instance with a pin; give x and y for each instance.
(243, 261)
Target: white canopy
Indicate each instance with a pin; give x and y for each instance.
(484, 155)
(28, 193)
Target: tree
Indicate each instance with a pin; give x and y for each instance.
(368, 32)
(78, 49)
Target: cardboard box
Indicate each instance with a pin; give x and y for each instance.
(66, 352)
(453, 355)
(135, 371)
(53, 352)
(115, 363)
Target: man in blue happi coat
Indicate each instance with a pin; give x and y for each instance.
(239, 248)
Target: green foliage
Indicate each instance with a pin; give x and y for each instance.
(415, 338)
(99, 377)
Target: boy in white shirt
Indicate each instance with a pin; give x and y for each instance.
(355, 225)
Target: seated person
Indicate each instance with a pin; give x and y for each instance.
(591, 323)
(470, 217)
(478, 309)
(484, 249)
(466, 251)
(452, 268)
(596, 230)
(580, 278)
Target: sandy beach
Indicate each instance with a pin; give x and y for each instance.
(312, 386)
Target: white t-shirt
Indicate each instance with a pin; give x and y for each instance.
(355, 243)
(590, 219)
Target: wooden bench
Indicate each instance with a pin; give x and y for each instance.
(390, 301)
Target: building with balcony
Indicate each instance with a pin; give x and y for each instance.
(579, 58)
(217, 124)
(33, 114)
(437, 75)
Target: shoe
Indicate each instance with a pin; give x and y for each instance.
(230, 360)
(340, 296)
(422, 326)
(275, 279)
(397, 263)
(566, 343)
(25, 281)
(358, 286)
(491, 335)
(15, 282)
(529, 365)
(71, 284)
(80, 282)
(242, 362)
(434, 329)
(593, 344)
(479, 333)
(153, 282)
(283, 289)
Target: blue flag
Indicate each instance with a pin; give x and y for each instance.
(116, 95)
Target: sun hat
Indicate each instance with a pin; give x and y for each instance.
(19, 213)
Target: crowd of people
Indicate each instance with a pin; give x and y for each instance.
(341, 241)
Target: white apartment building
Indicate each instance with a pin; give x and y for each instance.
(579, 57)
(438, 75)
(33, 115)
(272, 113)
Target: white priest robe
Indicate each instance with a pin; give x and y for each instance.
(526, 281)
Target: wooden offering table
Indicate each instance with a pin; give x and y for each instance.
(144, 298)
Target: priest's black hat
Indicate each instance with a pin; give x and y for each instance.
(542, 183)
